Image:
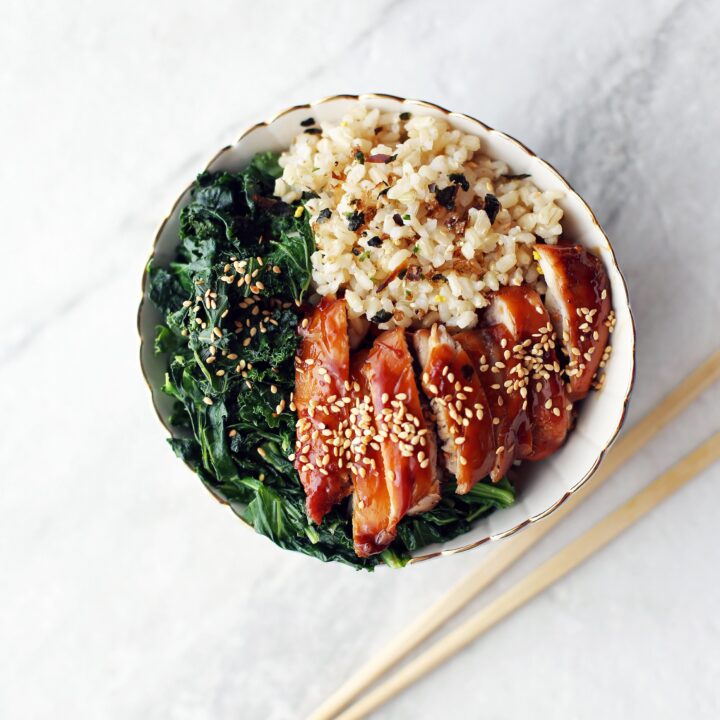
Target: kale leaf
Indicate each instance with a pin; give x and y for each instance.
(166, 291)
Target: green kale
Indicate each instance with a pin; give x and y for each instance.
(278, 343)
(166, 290)
(291, 247)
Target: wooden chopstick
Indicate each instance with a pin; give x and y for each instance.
(541, 578)
(514, 548)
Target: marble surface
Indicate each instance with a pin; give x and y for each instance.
(125, 591)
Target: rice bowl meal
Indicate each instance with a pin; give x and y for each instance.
(368, 335)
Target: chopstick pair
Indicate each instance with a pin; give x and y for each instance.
(514, 548)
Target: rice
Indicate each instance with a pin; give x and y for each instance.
(402, 210)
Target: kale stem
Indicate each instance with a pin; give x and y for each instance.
(393, 560)
(496, 494)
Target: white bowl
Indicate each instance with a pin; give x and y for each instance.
(546, 484)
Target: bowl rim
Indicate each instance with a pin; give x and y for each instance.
(365, 97)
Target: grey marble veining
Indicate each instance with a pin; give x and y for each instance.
(124, 590)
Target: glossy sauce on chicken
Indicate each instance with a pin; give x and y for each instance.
(373, 526)
(406, 440)
(493, 354)
(322, 372)
(520, 310)
(461, 410)
(578, 300)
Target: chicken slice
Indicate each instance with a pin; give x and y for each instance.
(322, 371)
(373, 527)
(521, 312)
(460, 406)
(407, 443)
(578, 300)
(490, 349)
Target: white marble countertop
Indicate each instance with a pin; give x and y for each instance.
(125, 591)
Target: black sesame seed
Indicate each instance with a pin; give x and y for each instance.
(355, 251)
(405, 115)
(519, 176)
(398, 220)
(360, 157)
(307, 122)
(324, 215)
(375, 241)
(313, 131)
(438, 276)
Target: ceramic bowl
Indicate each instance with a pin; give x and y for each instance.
(545, 485)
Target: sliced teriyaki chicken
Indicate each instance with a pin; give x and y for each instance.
(373, 528)
(460, 406)
(322, 372)
(407, 442)
(578, 300)
(491, 350)
(521, 311)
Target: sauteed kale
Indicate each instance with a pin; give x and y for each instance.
(231, 301)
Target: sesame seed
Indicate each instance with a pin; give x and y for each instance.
(207, 400)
